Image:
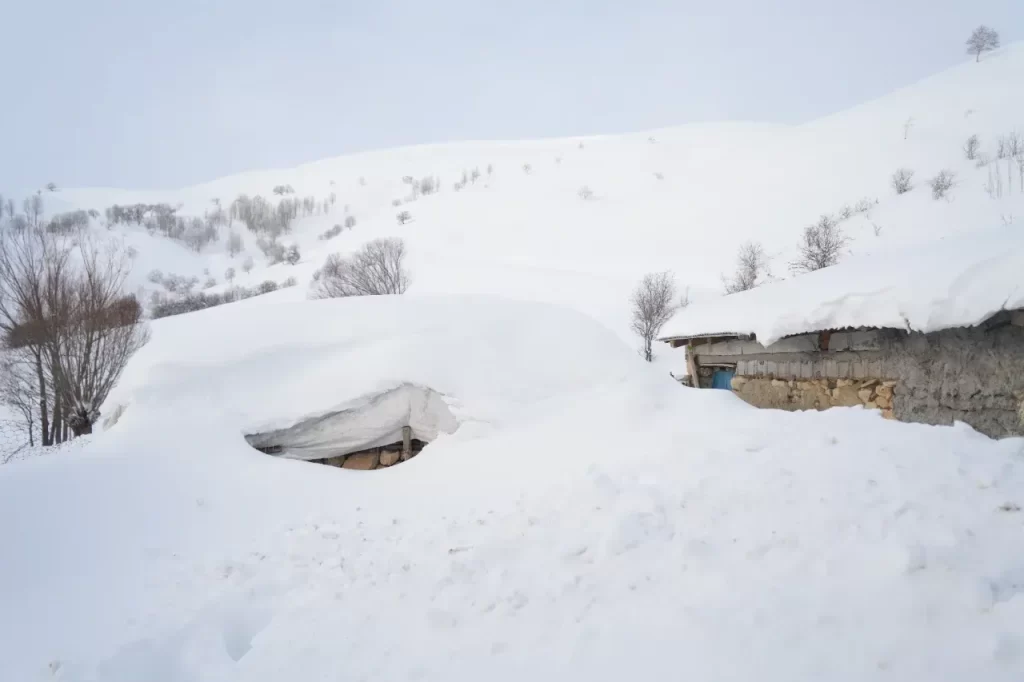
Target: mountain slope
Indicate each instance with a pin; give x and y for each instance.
(530, 235)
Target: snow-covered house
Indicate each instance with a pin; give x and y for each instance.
(932, 334)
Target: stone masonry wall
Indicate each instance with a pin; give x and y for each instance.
(816, 394)
(974, 375)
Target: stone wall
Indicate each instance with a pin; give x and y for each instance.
(816, 394)
(974, 375)
(374, 458)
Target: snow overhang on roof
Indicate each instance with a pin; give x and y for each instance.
(959, 281)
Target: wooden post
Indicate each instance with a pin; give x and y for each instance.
(691, 365)
(406, 442)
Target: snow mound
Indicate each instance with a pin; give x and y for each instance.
(958, 281)
(355, 368)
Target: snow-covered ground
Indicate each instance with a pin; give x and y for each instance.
(530, 235)
(588, 520)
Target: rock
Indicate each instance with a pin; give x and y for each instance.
(871, 405)
(335, 461)
(865, 395)
(884, 391)
(737, 383)
(779, 383)
(846, 396)
(889, 383)
(389, 457)
(362, 461)
(843, 382)
(885, 402)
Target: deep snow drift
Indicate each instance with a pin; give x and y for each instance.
(588, 519)
(681, 199)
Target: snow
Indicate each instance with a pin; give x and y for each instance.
(579, 515)
(530, 237)
(959, 281)
(588, 519)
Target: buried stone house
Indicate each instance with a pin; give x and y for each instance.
(934, 335)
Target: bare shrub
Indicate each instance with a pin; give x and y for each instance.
(273, 250)
(210, 283)
(527, 168)
(66, 223)
(820, 247)
(751, 265)
(376, 269)
(659, 175)
(267, 286)
(585, 193)
(292, 255)
(902, 180)
(428, 185)
(652, 304)
(234, 244)
(864, 206)
(971, 147)
(350, 221)
(983, 39)
(396, 202)
(281, 190)
(331, 233)
(290, 282)
(247, 265)
(942, 183)
(403, 217)
(229, 275)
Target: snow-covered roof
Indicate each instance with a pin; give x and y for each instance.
(959, 281)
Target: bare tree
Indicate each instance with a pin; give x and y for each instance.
(653, 302)
(907, 125)
(376, 269)
(902, 180)
(820, 247)
(942, 183)
(229, 275)
(403, 217)
(751, 265)
(983, 39)
(247, 265)
(971, 147)
(95, 331)
(62, 302)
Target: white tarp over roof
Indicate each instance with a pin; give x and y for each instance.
(953, 282)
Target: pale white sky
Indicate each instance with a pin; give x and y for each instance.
(136, 93)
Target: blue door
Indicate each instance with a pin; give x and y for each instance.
(722, 378)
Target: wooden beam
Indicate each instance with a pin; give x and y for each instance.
(691, 365)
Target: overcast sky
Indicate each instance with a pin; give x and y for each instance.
(136, 93)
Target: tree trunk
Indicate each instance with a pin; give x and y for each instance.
(44, 415)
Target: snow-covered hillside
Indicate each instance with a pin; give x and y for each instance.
(680, 199)
(588, 520)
